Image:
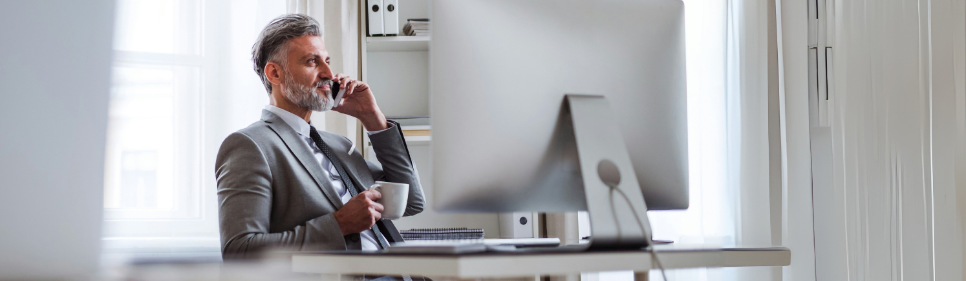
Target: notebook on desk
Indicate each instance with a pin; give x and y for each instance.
(458, 233)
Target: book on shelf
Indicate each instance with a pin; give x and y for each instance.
(458, 233)
(416, 27)
(413, 131)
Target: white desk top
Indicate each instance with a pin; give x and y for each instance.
(516, 264)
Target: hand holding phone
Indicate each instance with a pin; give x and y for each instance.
(355, 98)
(337, 93)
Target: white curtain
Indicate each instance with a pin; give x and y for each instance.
(727, 68)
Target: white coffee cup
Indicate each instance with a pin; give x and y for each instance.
(395, 197)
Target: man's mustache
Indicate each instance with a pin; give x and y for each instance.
(324, 82)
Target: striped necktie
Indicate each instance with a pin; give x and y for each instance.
(381, 225)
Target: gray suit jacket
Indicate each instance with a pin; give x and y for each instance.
(272, 192)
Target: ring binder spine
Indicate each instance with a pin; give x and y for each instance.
(375, 13)
(390, 19)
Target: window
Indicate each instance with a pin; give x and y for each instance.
(152, 163)
(182, 81)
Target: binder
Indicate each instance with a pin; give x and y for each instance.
(391, 17)
(375, 18)
(516, 225)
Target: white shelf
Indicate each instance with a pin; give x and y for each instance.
(418, 140)
(397, 44)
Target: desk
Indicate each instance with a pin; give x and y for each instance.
(509, 265)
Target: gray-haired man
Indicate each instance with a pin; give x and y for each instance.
(281, 183)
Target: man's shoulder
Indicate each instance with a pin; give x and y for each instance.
(253, 140)
(258, 132)
(254, 131)
(258, 128)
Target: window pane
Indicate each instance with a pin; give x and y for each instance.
(158, 26)
(149, 131)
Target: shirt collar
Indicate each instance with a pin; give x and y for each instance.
(297, 123)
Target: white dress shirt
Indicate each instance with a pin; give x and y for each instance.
(302, 128)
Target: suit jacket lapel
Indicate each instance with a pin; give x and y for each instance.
(360, 175)
(301, 151)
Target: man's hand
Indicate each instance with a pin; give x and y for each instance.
(359, 102)
(360, 213)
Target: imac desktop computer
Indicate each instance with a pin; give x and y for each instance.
(554, 106)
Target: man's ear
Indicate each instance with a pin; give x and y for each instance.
(274, 73)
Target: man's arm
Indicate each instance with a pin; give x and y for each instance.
(244, 206)
(388, 143)
(396, 165)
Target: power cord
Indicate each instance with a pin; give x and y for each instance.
(659, 266)
(650, 243)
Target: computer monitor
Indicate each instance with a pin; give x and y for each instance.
(503, 127)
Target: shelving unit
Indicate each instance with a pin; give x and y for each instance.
(397, 70)
(397, 67)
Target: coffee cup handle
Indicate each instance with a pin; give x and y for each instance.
(376, 187)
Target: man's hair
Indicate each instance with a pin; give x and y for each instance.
(271, 45)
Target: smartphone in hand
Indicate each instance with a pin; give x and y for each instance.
(337, 93)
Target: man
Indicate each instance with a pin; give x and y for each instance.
(281, 183)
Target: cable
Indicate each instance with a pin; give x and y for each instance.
(650, 243)
(659, 266)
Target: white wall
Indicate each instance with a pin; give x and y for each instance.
(55, 71)
(402, 80)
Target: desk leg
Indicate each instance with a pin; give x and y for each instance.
(640, 276)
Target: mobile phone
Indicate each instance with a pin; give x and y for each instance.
(337, 93)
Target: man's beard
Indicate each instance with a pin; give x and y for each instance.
(305, 95)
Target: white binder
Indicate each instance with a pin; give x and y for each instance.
(516, 225)
(375, 18)
(391, 17)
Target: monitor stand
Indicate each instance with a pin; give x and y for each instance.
(618, 217)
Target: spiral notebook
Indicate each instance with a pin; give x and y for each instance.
(457, 233)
